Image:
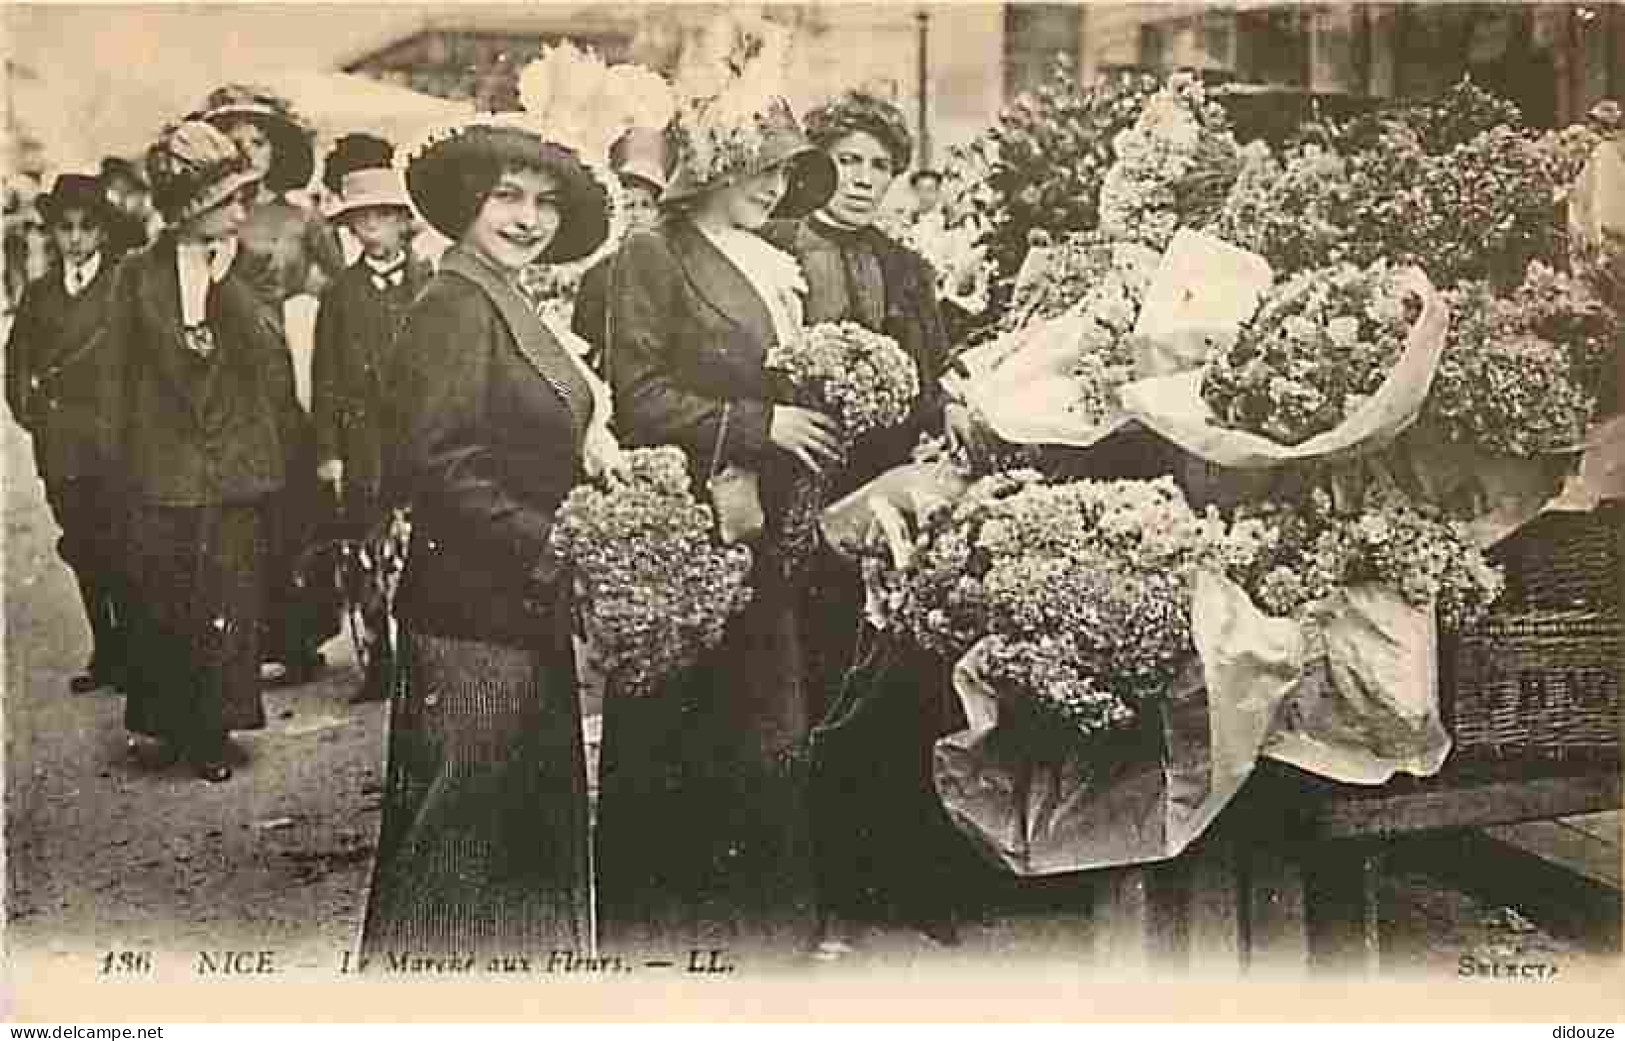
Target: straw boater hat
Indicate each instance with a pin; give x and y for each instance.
(449, 173)
(75, 192)
(292, 156)
(371, 189)
(193, 167)
(716, 149)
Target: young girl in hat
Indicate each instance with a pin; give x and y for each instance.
(287, 252)
(483, 846)
(54, 373)
(356, 324)
(702, 838)
(199, 407)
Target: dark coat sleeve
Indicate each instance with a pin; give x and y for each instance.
(439, 459)
(328, 391)
(591, 313)
(21, 344)
(649, 305)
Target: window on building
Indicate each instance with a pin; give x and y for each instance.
(1034, 34)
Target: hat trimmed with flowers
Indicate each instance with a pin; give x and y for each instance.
(193, 167)
(716, 149)
(734, 121)
(452, 170)
(293, 158)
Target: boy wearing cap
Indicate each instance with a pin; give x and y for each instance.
(639, 158)
(356, 324)
(54, 369)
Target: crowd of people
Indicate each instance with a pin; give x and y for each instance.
(191, 474)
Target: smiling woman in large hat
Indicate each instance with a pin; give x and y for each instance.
(484, 838)
(701, 830)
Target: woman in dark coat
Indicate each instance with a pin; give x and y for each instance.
(286, 250)
(483, 847)
(198, 407)
(702, 836)
(884, 846)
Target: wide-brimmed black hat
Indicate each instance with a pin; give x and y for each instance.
(713, 153)
(449, 177)
(73, 191)
(293, 158)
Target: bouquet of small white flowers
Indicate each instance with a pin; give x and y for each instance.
(863, 380)
(1174, 166)
(654, 587)
(1074, 597)
(1321, 344)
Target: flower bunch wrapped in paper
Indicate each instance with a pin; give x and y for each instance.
(654, 587)
(1336, 363)
(1514, 402)
(1370, 584)
(863, 380)
(1174, 167)
(1100, 648)
(1054, 379)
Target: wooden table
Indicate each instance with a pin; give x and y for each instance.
(1287, 878)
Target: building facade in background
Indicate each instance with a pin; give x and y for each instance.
(953, 66)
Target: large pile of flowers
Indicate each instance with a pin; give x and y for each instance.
(1078, 593)
(654, 587)
(1321, 343)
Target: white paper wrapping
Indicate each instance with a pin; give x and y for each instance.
(1173, 405)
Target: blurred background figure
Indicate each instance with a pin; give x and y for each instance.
(356, 326)
(199, 403)
(641, 159)
(288, 254)
(927, 187)
(133, 220)
(54, 375)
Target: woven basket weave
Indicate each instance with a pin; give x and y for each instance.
(1536, 684)
(1560, 561)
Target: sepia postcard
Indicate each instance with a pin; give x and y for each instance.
(948, 511)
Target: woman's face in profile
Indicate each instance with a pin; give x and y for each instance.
(747, 202)
(517, 221)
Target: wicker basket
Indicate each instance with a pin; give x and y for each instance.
(1536, 684)
(1560, 561)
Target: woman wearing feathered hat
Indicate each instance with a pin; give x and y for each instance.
(483, 845)
(286, 250)
(198, 408)
(702, 834)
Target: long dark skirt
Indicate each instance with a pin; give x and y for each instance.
(483, 847)
(885, 851)
(702, 838)
(196, 577)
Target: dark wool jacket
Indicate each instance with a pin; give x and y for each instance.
(181, 430)
(590, 317)
(356, 326)
(485, 422)
(689, 335)
(903, 306)
(54, 359)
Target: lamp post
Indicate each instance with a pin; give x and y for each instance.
(922, 19)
